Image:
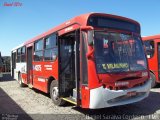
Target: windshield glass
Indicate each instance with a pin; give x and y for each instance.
(118, 52)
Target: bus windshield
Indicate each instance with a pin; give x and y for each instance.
(118, 52)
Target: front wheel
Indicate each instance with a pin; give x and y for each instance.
(55, 95)
(153, 80)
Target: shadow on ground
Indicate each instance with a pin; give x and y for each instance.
(10, 110)
(157, 86)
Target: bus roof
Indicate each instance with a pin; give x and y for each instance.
(14, 49)
(151, 37)
(81, 20)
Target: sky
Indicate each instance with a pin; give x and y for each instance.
(33, 17)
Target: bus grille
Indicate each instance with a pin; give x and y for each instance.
(125, 98)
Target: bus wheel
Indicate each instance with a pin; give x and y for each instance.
(20, 80)
(54, 94)
(153, 79)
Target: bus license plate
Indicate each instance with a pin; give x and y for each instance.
(133, 93)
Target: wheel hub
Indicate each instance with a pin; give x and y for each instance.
(55, 93)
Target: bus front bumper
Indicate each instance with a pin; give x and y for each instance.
(103, 97)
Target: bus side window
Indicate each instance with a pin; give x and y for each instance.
(38, 50)
(23, 54)
(50, 48)
(149, 48)
(19, 55)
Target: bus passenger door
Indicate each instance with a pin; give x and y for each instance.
(29, 66)
(13, 63)
(68, 56)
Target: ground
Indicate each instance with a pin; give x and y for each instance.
(26, 103)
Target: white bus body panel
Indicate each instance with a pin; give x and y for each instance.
(20, 68)
(18, 65)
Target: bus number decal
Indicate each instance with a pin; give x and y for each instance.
(37, 68)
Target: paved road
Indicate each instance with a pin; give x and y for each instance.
(26, 103)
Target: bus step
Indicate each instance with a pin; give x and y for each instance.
(74, 93)
(71, 100)
(30, 85)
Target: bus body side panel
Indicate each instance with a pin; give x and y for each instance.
(158, 61)
(39, 81)
(85, 97)
(153, 62)
(93, 82)
(51, 69)
(24, 78)
(84, 71)
(42, 71)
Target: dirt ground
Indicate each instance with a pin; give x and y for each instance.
(25, 103)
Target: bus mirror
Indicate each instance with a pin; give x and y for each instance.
(90, 37)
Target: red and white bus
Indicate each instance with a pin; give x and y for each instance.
(94, 61)
(152, 44)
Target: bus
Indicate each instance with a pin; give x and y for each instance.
(1, 66)
(94, 60)
(152, 45)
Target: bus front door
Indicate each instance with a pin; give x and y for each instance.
(29, 66)
(68, 56)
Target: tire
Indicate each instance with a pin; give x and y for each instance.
(20, 80)
(153, 80)
(54, 94)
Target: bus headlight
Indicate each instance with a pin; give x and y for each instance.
(144, 74)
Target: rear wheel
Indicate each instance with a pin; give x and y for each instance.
(153, 80)
(54, 94)
(20, 80)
